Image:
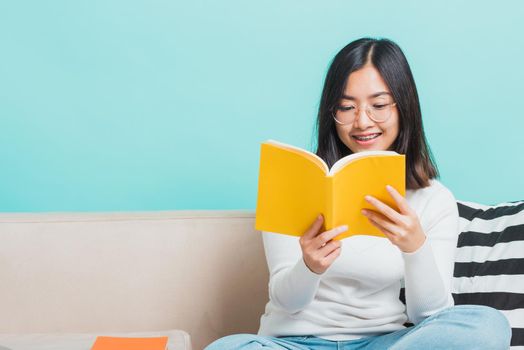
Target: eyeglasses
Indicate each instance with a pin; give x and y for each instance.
(378, 112)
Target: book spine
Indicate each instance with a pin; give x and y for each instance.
(329, 215)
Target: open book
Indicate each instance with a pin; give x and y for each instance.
(295, 186)
(121, 343)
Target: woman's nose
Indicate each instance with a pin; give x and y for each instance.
(362, 120)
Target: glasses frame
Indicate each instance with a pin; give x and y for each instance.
(369, 113)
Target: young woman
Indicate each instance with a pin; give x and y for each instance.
(328, 294)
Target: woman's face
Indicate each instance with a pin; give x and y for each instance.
(366, 88)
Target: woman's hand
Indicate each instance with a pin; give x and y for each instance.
(402, 228)
(319, 250)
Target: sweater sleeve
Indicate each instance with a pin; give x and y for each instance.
(429, 270)
(292, 285)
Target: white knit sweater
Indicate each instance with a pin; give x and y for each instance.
(358, 295)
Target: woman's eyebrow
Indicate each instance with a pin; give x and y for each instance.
(376, 94)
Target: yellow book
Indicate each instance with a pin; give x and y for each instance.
(295, 186)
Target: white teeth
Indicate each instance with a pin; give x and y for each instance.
(366, 138)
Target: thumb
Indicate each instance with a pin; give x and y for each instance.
(312, 231)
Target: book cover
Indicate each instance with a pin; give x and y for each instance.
(122, 343)
(295, 186)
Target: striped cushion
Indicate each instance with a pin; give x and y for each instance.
(489, 265)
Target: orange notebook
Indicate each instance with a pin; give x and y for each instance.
(119, 343)
(295, 186)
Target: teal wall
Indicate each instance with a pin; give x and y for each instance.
(158, 105)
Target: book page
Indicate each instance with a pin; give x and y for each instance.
(309, 155)
(342, 162)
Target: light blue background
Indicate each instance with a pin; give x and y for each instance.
(109, 105)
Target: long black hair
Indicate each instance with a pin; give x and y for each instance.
(389, 60)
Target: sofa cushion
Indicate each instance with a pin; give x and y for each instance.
(178, 340)
(489, 264)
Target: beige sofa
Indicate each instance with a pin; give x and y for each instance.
(69, 277)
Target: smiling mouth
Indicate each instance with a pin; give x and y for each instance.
(367, 137)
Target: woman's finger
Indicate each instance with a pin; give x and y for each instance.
(327, 236)
(383, 222)
(388, 234)
(332, 256)
(402, 203)
(313, 230)
(391, 213)
(329, 247)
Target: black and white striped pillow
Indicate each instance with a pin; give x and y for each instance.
(489, 264)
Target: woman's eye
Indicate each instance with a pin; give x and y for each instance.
(379, 106)
(346, 108)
